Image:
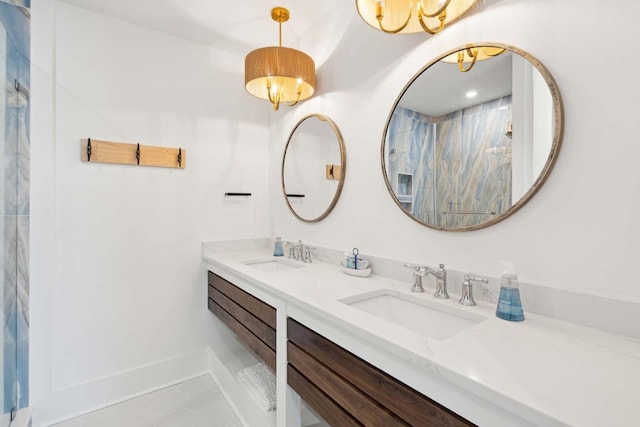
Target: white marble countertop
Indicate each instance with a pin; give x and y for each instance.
(547, 371)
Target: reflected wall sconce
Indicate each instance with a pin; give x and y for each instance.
(280, 74)
(472, 55)
(411, 16)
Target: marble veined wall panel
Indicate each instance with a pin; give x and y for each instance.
(23, 3)
(410, 140)
(460, 163)
(15, 26)
(474, 169)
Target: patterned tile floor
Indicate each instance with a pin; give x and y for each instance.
(195, 403)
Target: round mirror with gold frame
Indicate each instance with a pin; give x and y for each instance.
(472, 137)
(313, 168)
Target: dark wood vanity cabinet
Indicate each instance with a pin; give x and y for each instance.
(342, 388)
(251, 319)
(347, 391)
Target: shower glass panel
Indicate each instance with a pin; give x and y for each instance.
(14, 205)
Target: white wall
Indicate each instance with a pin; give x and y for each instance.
(522, 125)
(542, 123)
(580, 231)
(118, 290)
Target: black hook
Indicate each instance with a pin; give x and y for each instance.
(89, 149)
(331, 172)
(138, 154)
(180, 157)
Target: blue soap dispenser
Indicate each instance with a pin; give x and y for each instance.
(509, 305)
(278, 250)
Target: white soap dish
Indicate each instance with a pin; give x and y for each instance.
(361, 272)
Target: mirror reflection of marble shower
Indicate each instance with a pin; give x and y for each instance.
(14, 210)
(458, 163)
(469, 144)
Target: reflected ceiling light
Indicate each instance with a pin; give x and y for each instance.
(411, 16)
(471, 94)
(280, 74)
(471, 55)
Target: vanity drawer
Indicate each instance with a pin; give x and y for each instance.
(256, 345)
(360, 406)
(340, 366)
(248, 320)
(259, 309)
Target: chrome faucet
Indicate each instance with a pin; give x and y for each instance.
(467, 292)
(299, 251)
(441, 281)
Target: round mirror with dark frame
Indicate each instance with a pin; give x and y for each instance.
(313, 168)
(472, 137)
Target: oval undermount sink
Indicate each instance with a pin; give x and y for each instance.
(421, 316)
(273, 264)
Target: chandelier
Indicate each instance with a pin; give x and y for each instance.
(279, 74)
(411, 16)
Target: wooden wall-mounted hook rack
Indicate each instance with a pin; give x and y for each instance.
(96, 151)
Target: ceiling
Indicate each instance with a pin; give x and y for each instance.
(243, 25)
(442, 88)
(238, 24)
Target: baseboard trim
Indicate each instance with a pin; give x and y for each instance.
(77, 400)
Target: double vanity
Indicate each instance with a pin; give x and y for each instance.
(354, 348)
(469, 141)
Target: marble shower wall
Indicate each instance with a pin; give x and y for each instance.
(410, 142)
(23, 3)
(14, 189)
(459, 163)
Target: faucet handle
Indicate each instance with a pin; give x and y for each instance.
(291, 248)
(467, 290)
(474, 278)
(417, 277)
(307, 254)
